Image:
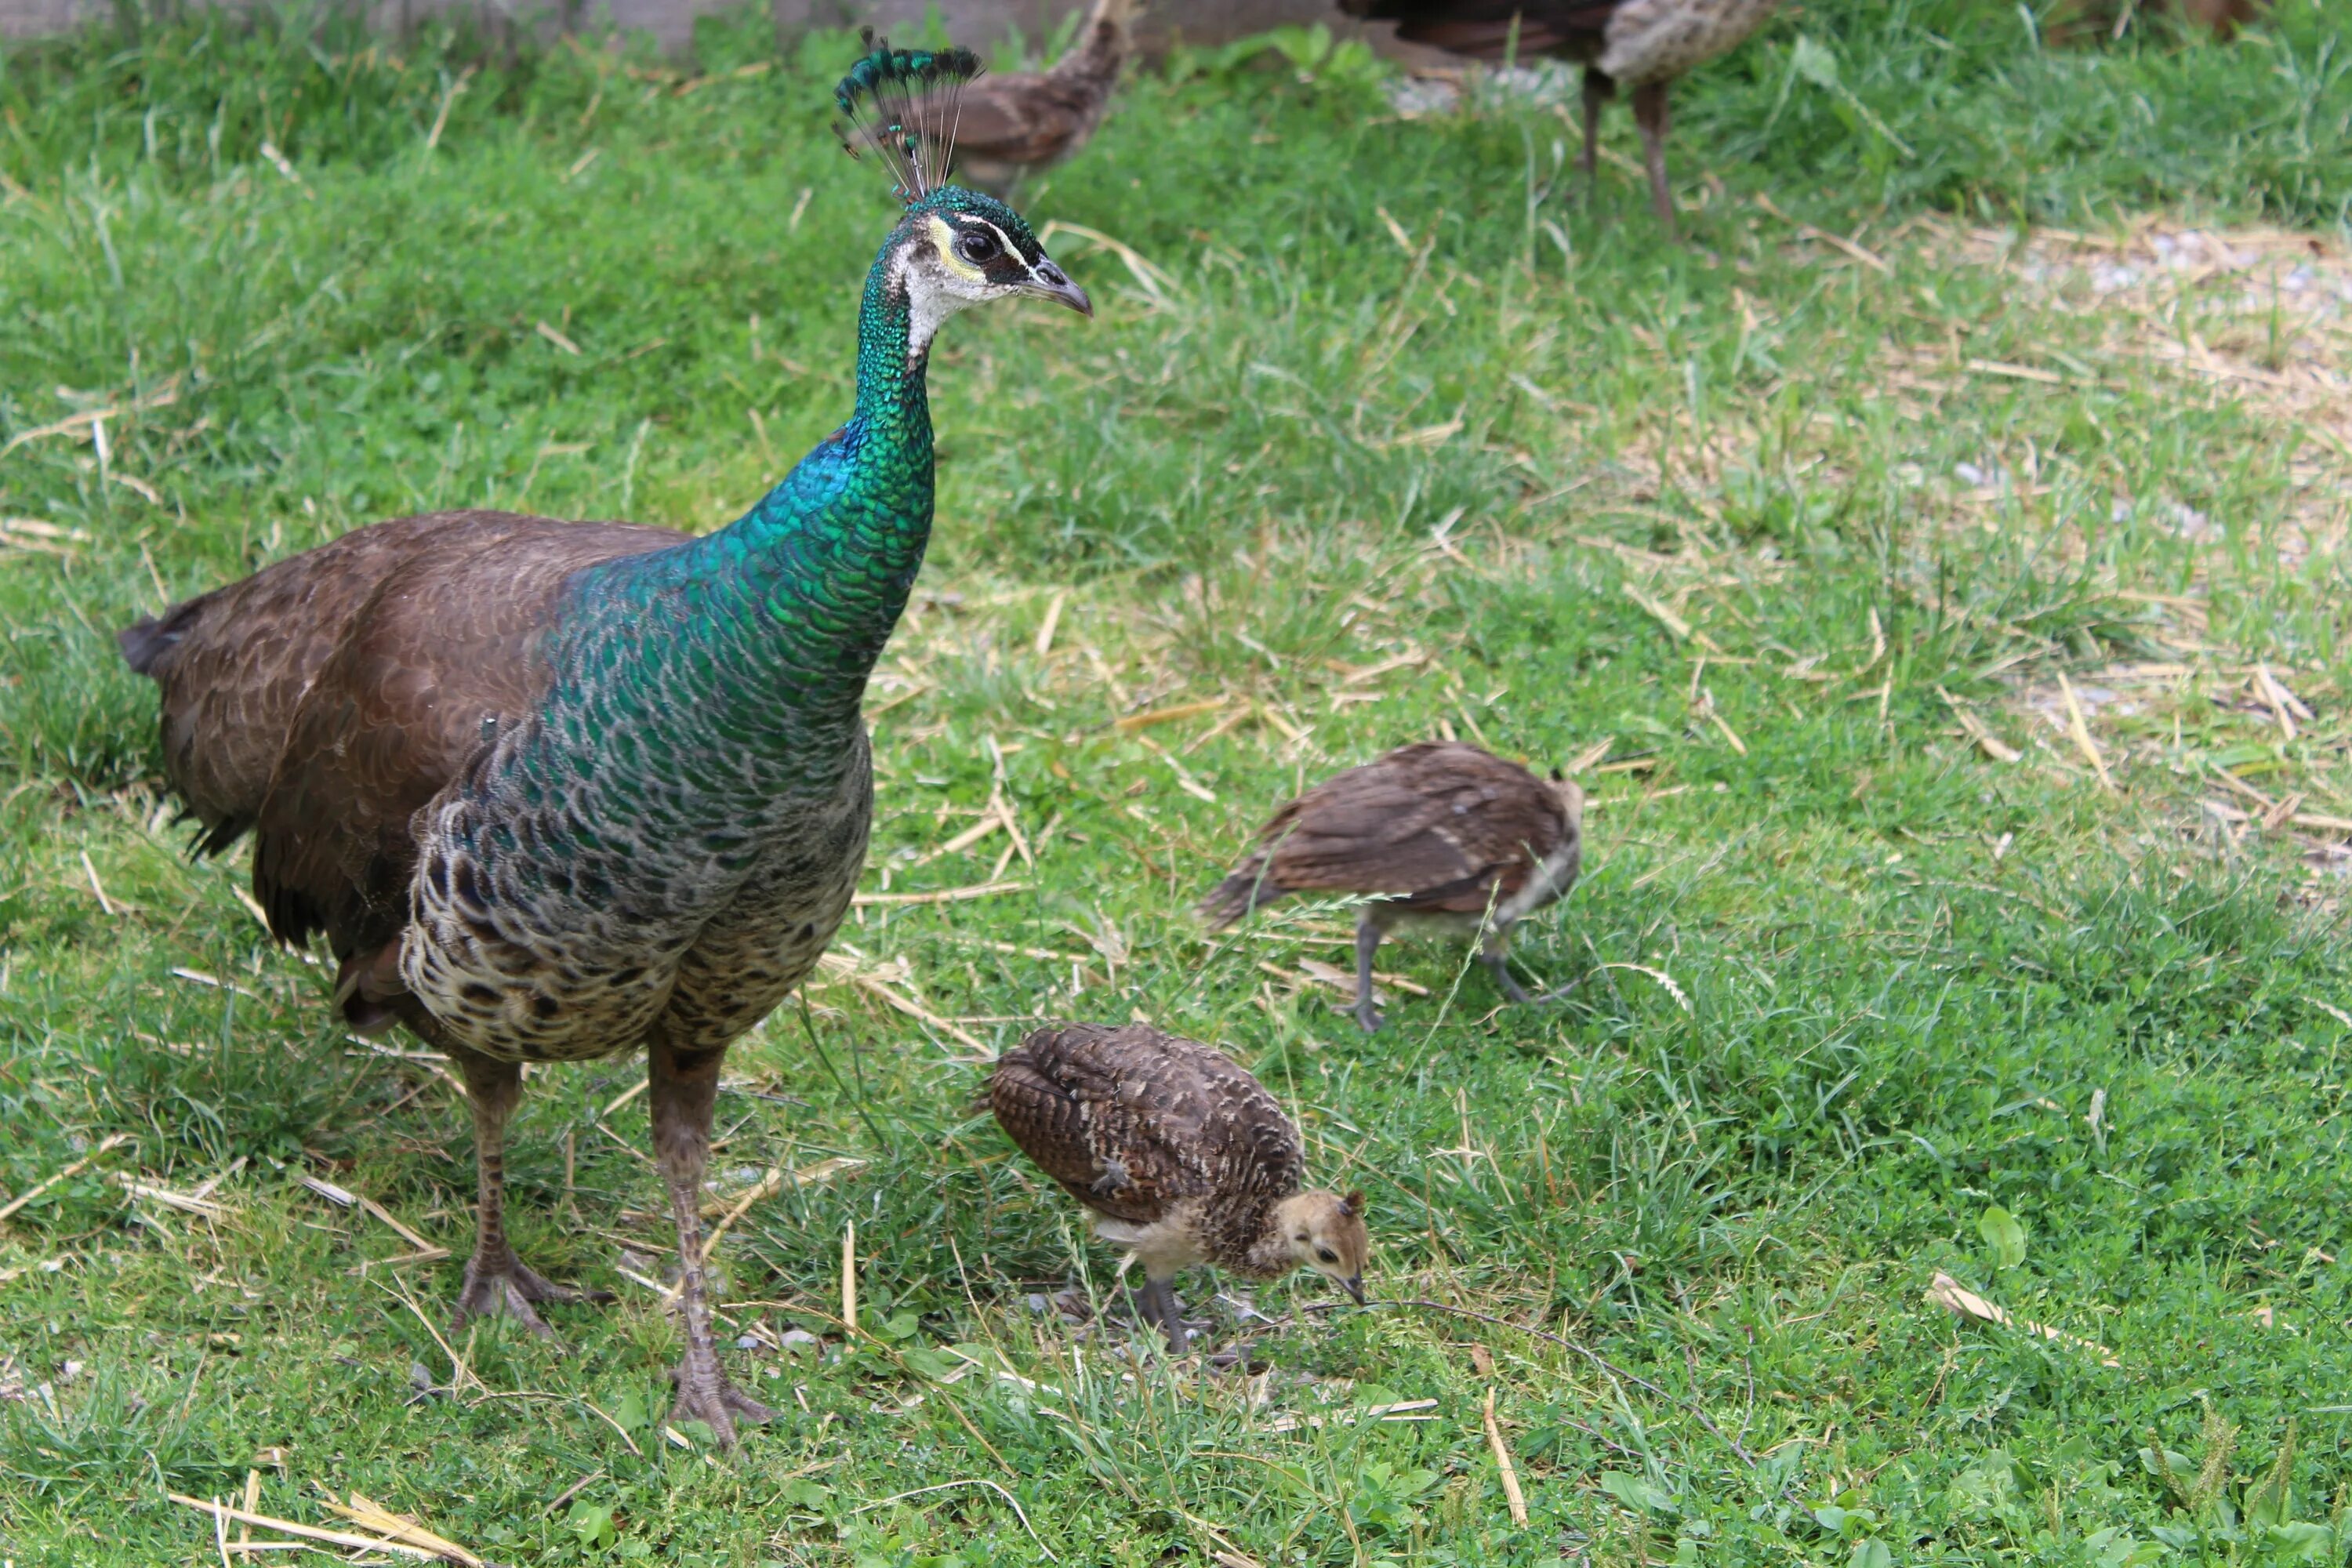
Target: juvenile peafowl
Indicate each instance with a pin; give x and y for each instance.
(1451, 839)
(1181, 1155)
(1641, 44)
(1005, 126)
(553, 791)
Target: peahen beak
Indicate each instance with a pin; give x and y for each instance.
(1047, 281)
(1355, 1287)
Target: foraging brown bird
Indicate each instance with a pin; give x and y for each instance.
(1009, 125)
(1180, 1153)
(1449, 839)
(1640, 44)
(558, 791)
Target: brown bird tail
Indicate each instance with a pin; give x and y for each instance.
(1249, 887)
(145, 646)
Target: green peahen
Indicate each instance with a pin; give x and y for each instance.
(553, 791)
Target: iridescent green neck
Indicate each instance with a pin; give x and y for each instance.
(760, 638)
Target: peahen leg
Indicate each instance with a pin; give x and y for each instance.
(684, 1086)
(496, 1279)
(1650, 115)
(1367, 942)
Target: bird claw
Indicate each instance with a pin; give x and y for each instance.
(709, 1397)
(1367, 1017)
(490, 1290)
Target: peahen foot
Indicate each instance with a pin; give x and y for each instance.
(705, 1394)
(491, 1288)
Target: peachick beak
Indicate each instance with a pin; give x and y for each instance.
(1355, 1284)
(1047, 281)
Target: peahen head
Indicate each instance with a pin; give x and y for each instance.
(955, 247)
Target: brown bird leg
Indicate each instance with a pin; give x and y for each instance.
(683, 1087)
(1367, 942)
(1650, 115)
(1159, 1302)
(1598, 90)
(1492, 952)
(496, 1279)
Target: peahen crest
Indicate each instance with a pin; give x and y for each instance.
(903, 103)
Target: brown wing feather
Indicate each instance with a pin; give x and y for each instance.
(1436, 826)
(233, 663)
(442, 654)
(326, 698)
(1027, 119)
(1132, 1121)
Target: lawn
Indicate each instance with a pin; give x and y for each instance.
(1935, 566)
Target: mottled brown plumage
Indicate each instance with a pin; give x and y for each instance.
(322, 701)
(1642, 44)
(1446, 837)
(1007, 125)
(1179, 1152)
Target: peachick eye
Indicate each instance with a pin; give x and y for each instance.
(1327, 1255)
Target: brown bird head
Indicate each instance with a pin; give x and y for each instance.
(1325, 1232)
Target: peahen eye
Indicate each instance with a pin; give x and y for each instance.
(978, 246)
(1327, 1255)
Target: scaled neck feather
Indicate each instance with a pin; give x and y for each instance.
(780, 618)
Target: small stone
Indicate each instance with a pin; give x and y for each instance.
(795, 1341)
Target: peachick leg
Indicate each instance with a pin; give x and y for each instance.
(496, 1280)
(683, 1087)
(1492, 952)
(1161, 1295)
(1650, 115)
(1367, 942)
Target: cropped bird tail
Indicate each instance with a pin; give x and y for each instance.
(146, 644)
(1246, 890)
(890, 97)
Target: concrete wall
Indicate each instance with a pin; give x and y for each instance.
(671, 22)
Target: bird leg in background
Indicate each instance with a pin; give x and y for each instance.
(1650, 115)
(1493, 952)
(497, 1281)
(683, 1087)
(1367, 942)
(1598, 90)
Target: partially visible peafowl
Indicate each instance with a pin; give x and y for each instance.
(1640, 44)
(554, 791)
(1007, 125)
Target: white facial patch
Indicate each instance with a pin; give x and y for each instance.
(933, 296)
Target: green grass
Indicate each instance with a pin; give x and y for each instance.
(1851, 988)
